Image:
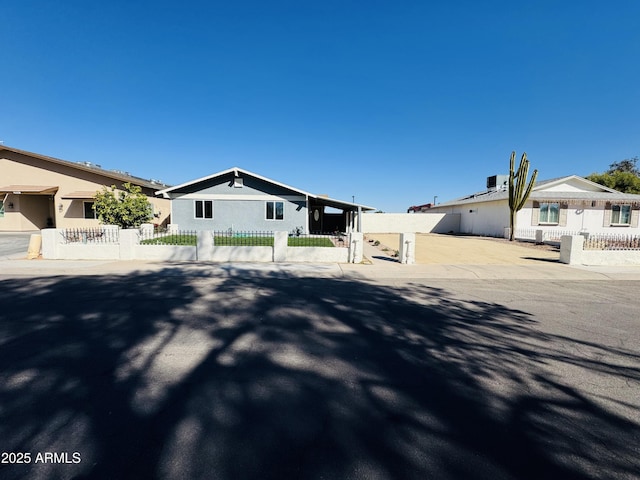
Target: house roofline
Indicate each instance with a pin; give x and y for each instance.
(235, 170)
(88, 168)
(556, 181)
(494, 196)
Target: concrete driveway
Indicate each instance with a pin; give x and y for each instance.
(184, 373)
(14, 244)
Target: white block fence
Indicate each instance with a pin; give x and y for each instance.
(124, 244)
(573, 252)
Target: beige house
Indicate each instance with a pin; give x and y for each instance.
(560, 206)
(37, 191)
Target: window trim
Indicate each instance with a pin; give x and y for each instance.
(274, 208)
(542, 211)
(619, 212)
(203, 208)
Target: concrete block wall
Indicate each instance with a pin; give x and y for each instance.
(411, 222)
(129, 248)
(572, 252)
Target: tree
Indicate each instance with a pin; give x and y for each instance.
(628, 165)
(126, 209)
(623, 176)
(625, 182)
(518, 195)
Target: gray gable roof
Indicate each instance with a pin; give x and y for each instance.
(330, 202)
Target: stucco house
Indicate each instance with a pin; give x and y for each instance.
(567, 204)
(239, 200)
(37, 191)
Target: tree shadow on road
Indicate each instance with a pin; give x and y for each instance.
(256, 376)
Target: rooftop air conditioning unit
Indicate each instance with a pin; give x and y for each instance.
(497, 182)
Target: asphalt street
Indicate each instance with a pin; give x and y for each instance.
(255, 374)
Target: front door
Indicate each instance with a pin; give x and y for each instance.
(315, 221)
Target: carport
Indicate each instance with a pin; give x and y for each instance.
(349, 219)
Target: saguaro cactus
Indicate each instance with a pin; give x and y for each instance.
(518, 195)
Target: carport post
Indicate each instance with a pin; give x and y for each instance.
(359, 219)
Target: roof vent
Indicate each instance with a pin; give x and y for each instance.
(89, 164)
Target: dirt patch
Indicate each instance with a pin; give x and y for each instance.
(469, 250)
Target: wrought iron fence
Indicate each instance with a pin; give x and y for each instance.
(231, 238)
(548, 235)
(174, 237)
(317, 240)
(96, 235)
(556, 235)
(612, 242)
(525, 234)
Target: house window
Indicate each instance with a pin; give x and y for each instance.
(620, 214)
(89, 211)
(1, 208)
(204, 208)
(275, 211)
(550, 213)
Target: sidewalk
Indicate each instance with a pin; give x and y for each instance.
(384, 266)
(376, 270)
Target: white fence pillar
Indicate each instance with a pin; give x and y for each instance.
(356, 241)
(407, 248)
(280, 244)
(51, 238)
(146, 229)
(571, 248)
(129, 238)
(539, 236)
(204, 245)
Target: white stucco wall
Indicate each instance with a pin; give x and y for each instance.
(437, 222)
(485, 218)
(491, 219)
(580, 218)
(572, 252)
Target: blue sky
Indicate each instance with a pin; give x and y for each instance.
(390, 102)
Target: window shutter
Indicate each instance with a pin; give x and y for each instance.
(535, 213)
(606, 221)
(635, 213)
(564, 207)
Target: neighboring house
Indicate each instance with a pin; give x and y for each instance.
(37, 191)
(239, 200)
(572, 204)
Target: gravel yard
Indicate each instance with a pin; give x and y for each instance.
(469, 250)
